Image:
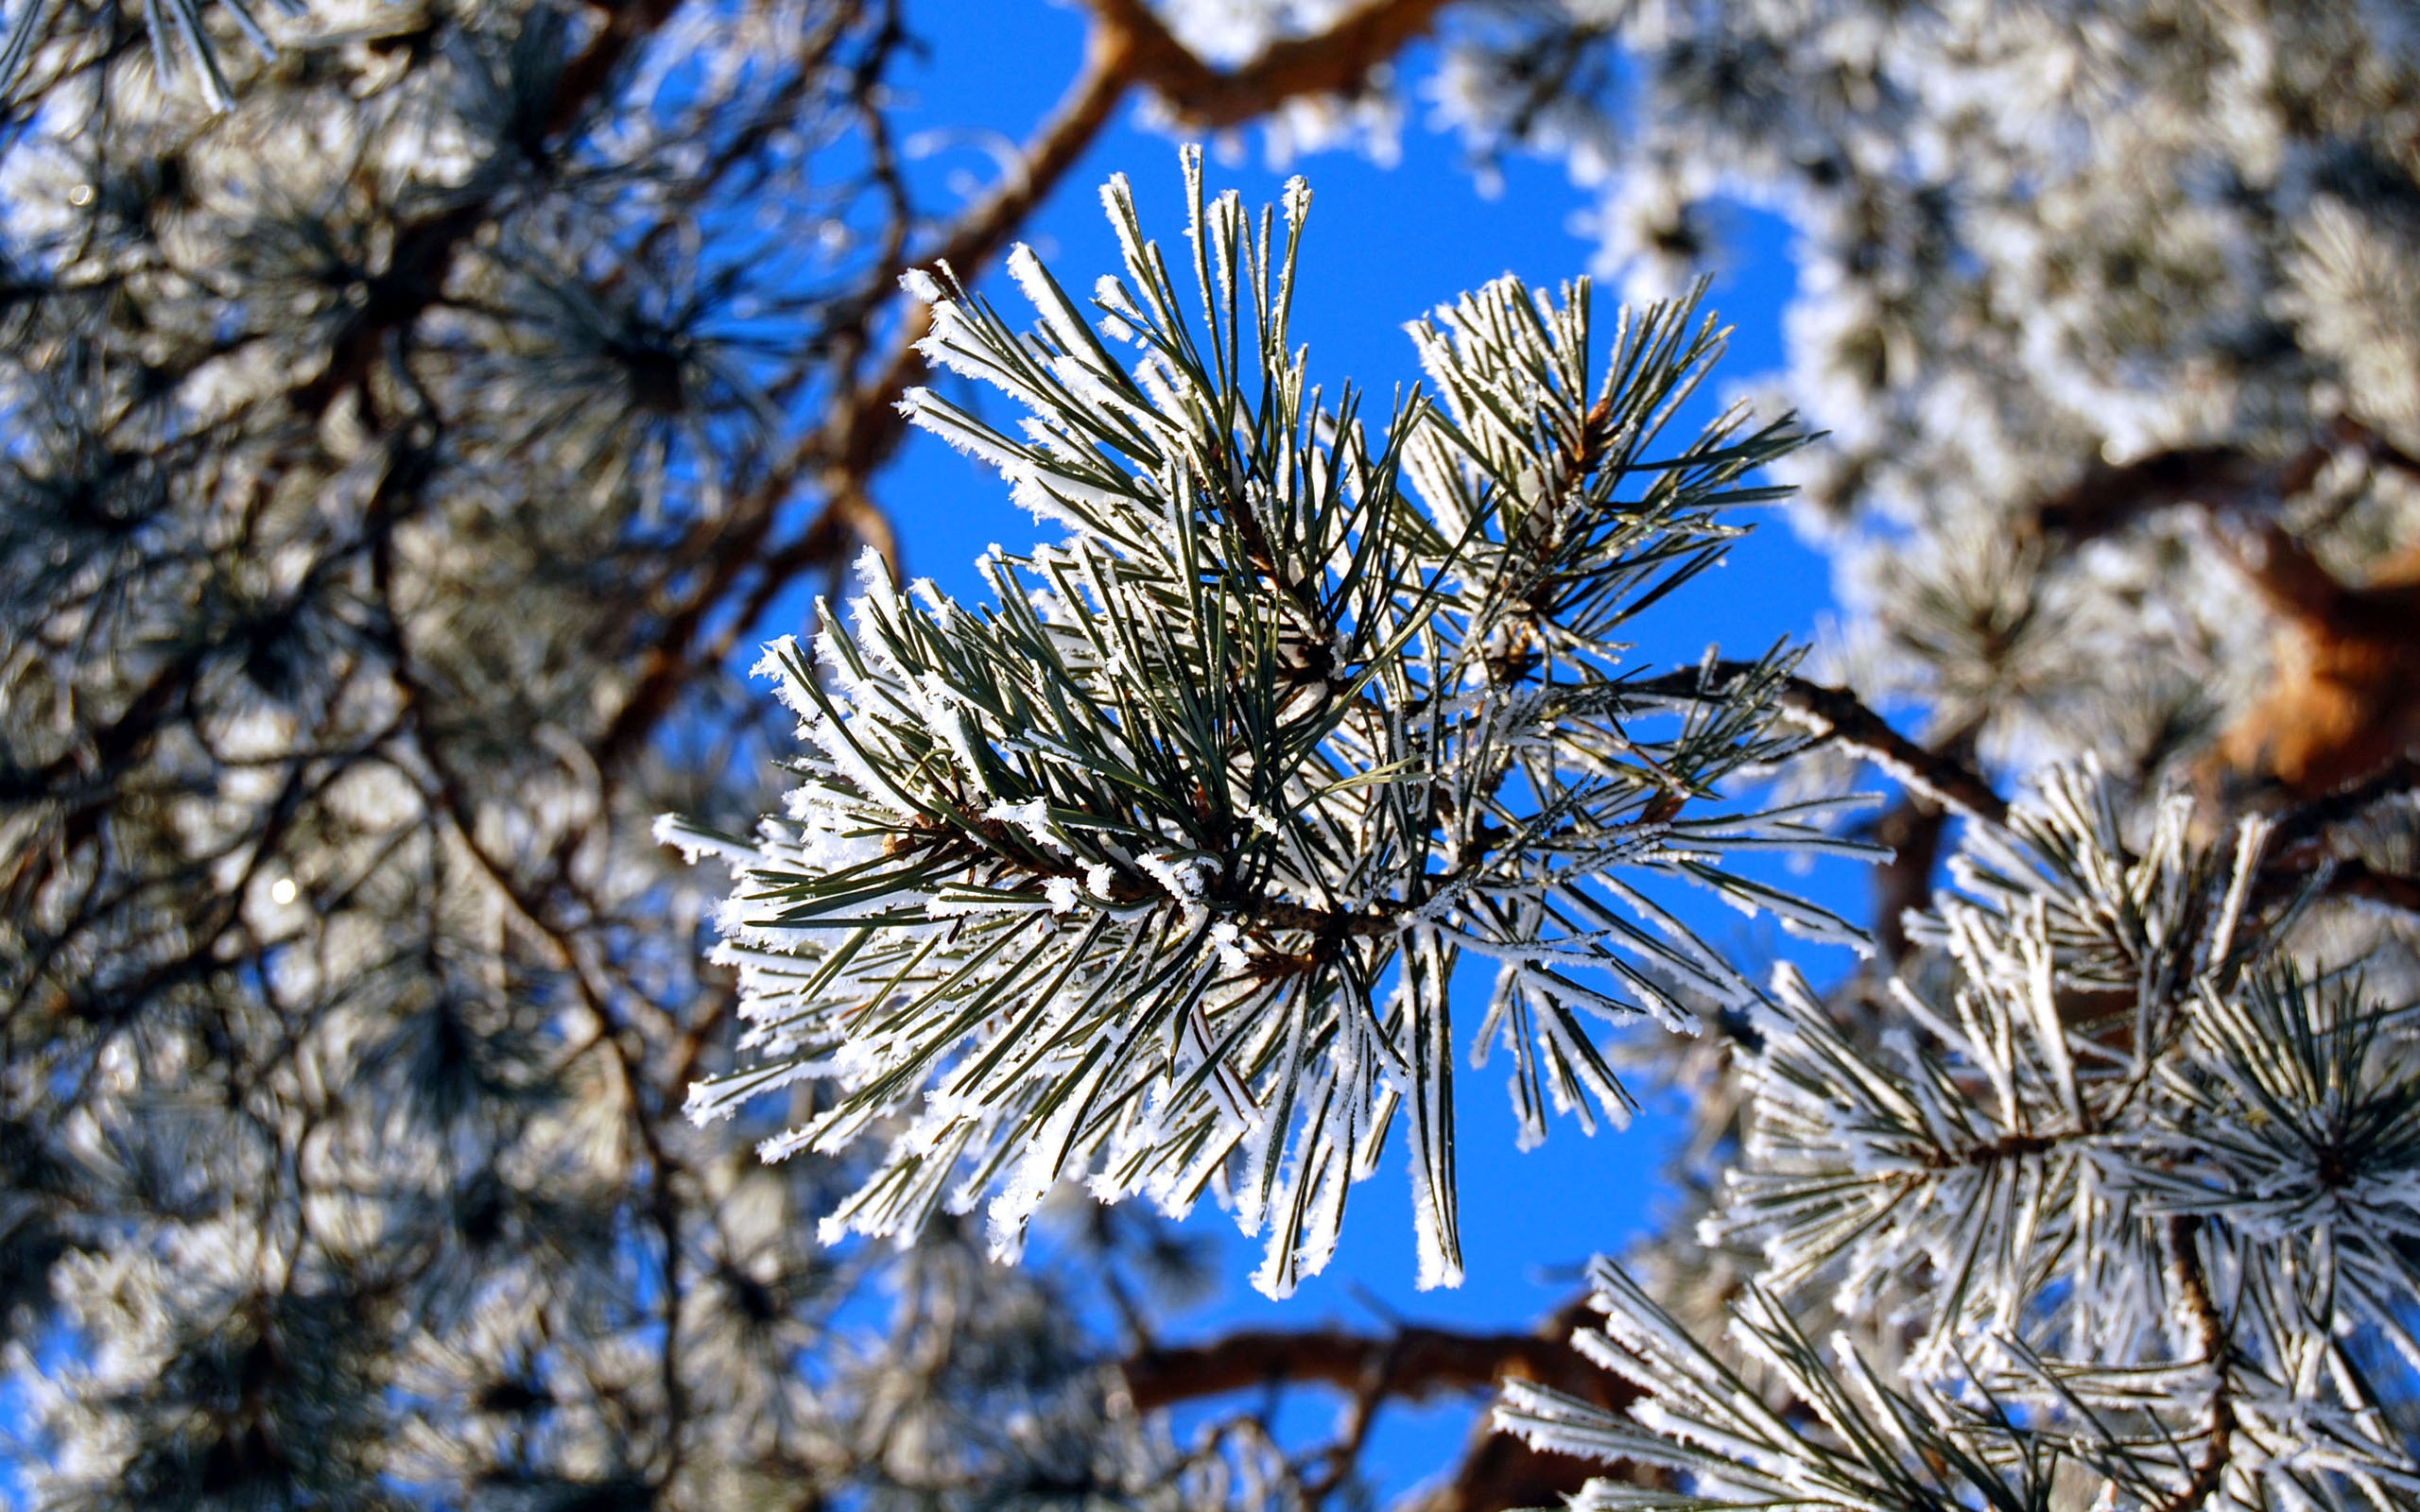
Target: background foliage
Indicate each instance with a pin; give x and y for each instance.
(408, 421)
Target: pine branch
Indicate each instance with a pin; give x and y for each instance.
(2292, 870)
(1913, 829)
(2299, 846)
(572, 951)
(862, 434)
(1336, 60)
(2110, 496)
(2312, 817)
(2346, 699)
(2183, 1236)
(1499, 1472)
(1412, 1364)
(582, 81)
(425, 248)
(2396, 890)
(1236, 750)
(1836, 715)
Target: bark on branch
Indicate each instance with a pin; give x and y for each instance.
(1337, 61)
(1837, 715)
(2347, 698)
(2182, 1235)
(1412, 1364)
(1499, 1471)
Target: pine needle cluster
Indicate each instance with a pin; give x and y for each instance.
(1155, 871)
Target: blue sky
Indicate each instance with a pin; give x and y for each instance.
(1385, 245)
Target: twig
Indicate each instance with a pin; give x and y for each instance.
(2391, 889)
(1420, 1363)
(1837, 714)
(2193, 1294)
(1337, 61)
(2307, 820)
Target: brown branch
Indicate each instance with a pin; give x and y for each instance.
(2291, 869)
(424, 248)
(1417, 1364)
(846, 518)
(1337, 61)
(2309, 820)
(2009, 1147)
(2346, 699)
(1501, 1471)
(1915, 827)
(864, 430)
(583, 78)
(2110, 496)
(2193, 1297)
(2380, 452)
(2300, 845)
(672, 660)
(2391, 889)
(1836, 715)
(1412, 1364)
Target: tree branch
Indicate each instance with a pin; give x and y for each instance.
(2110, 496)
(2299, 846)
(1499, 1470)
(1337, 61)
(2193, 1296)
(1837, 714)
(424, 248)
(2391, 889)
(584, 76)
(2309, 820)
(2290, 870)
(1914, 828)
(1415, 1363)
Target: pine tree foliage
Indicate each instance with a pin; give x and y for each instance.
(1156, 870)
(397, 427)
(367, 449)
(2128, 1188)
(2096, 1191)
(53, 39)
(2042, 244)
(2066, 264)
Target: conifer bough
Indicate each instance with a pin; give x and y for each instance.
(1155, 871)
